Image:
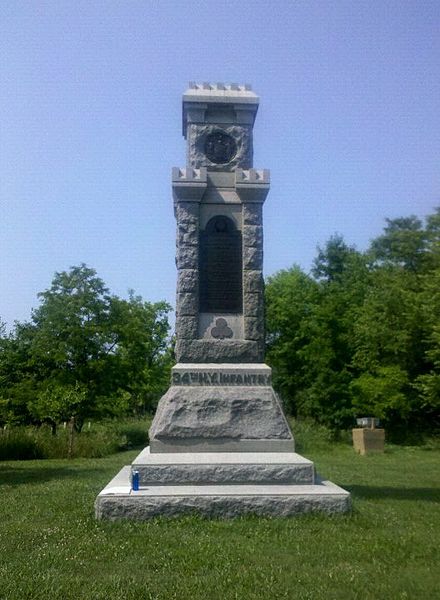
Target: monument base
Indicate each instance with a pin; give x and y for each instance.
(220, 446)
(219, 485)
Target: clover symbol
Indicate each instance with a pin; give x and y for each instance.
(221, 329)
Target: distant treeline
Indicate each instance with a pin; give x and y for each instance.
(360, 335)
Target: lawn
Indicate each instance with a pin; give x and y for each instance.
(51, 547)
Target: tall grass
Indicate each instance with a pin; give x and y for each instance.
(96, 441)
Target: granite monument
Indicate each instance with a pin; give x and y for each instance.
(220, 444)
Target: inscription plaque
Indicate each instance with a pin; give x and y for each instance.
(220, 378)
(221, 287)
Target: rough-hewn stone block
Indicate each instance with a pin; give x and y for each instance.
(252, 258)
(253, 236)
(253, 328)
(253, 281)
(199, 412)
(187, 280)
(186, 327)
(187, 212)
(187, 304)
(187, 233)
(253, 303)
(252, 214)
(229, 351)
(187, 257)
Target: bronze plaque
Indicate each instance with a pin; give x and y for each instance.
(220, 147)
(221, 288)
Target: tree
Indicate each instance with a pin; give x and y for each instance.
(56, 403)
(110, 353)
(334, 260)
(291, 297)
(309, 326)
(403, 243)
(142, 356)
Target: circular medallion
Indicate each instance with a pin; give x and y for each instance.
(220, 148)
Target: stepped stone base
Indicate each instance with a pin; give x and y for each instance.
(220, 446)
(272, 484)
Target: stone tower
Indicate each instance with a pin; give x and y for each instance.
(219, 443)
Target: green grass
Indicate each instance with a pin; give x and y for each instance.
(52, 548)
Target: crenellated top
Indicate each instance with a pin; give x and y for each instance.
(220, 103)
(220, 92)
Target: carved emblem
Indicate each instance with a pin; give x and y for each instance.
(220, 147)
(221, 329)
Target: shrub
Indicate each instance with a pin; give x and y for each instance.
(18, 443)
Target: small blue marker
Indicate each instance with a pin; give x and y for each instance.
(135, 481)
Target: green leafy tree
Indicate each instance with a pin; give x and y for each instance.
(142, 357)
(56, 403)
(382, 394)
(291, 299)
(309, 324)
(116, 352)
(72, 335)
(19, 375)
(403, 243)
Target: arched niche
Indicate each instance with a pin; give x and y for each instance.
(220, 268)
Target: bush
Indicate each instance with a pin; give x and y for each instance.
(310, 436)
(18, 443)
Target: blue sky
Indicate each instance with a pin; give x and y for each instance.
(90, 127)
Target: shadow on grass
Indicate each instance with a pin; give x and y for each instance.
(29, 475)
(421, 494)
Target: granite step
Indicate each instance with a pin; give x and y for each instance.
(117, 500)
(206, 468)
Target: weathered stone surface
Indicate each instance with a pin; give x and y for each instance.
(187, 304)
(197, 135)
(229, 351)
(170, 446)
(117, 501)
(186, 327)
(187, 233)
(187, 212)
(253, 281)
(252, 258)
(198, 413)
(223, 474)
(253, 236)
(252, 214)
(187, 257)
(194, 468)
(253, 328)
(188, 280)
(208, 468)
(253, 304)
